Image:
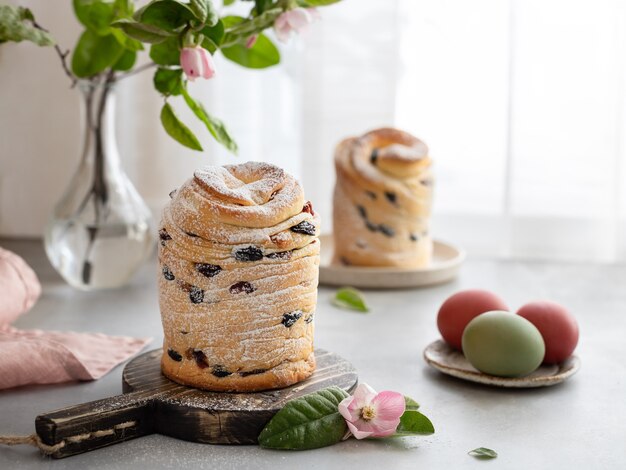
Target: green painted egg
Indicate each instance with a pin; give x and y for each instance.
(503, 344)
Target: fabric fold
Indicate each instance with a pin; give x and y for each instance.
(45, 357)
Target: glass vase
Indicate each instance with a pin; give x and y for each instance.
(101, 230)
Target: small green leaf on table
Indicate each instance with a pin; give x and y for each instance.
(177, 130)
(168, 81)
(483, 453)
(411, 404)
(412, 422)
(16, 24)
(308, 422)
(215, 126)
(351, 299)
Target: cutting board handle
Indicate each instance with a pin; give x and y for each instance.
(96, 424)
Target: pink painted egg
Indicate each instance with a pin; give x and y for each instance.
(557, 326)
(459, 309)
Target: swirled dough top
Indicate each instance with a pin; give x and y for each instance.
(383, 158)
(252, 195)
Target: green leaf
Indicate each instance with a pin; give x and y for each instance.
(200, 9)
(169, 15)
(16, 24)
(309, 422)
(254, 25)
(410, 404)
(413, 422)
(124, 8)
(26, 14)
(228, 2)
(168, 81)
(177, 130)
(215, 126)
(126, 41)
(166, 52)
(262, 55)
(215, 33)
(232, 20)
(351, 299)
(209, 45)
(126, 61)
(204, 11)
(96, 15)
(94, 53)
(483, 453)
(142, 32)
(261, 5)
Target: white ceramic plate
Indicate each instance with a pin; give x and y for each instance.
(444, 267)
(444, 358)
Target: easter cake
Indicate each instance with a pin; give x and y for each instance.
(239, 257)
(382, 201)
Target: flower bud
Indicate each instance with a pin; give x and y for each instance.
(251, 41)
(296, 20)
(197, 62)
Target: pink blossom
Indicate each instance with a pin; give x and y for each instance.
(197, 62)
(251, 41)
(296, 20)
(371, 414)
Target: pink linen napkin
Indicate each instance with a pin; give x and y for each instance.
(44, 357)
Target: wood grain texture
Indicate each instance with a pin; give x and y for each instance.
(152, 403)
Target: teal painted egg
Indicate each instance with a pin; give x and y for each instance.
(503, 344)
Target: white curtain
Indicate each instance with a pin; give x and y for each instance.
(522, 104)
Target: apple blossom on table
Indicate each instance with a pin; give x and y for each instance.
(331, 415)
(371, 414)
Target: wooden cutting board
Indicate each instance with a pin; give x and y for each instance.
(151, 403)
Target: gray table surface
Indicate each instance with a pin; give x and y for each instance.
(578, 424)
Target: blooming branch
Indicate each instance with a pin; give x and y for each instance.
(182, 36)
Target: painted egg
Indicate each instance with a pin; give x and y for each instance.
(503, 344)
(557, 326)
(459, 309)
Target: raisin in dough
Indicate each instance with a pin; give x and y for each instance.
(382, 201)
(239, 258)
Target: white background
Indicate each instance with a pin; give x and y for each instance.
(521, 103)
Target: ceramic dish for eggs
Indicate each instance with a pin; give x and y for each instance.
(448, 360)
(447, 260)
